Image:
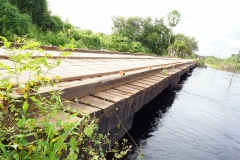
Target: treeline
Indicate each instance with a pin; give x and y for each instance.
(226, 64)
(132, 34)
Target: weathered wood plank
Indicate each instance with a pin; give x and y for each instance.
(119, 93)
(140, 84)
(108, 96)
(105, 105)
(125, 88)
(134, 87)
(82, 109)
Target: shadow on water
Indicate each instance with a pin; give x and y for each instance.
(148, 119)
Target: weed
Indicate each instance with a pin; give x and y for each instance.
(164, 72)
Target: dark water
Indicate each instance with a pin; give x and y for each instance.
(199, 122)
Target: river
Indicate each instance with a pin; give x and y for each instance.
(199, 122)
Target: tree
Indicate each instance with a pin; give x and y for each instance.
(154, 35)
(128, 27)
(151, 33)
(39, 13)
(184, 44)
(173, 20)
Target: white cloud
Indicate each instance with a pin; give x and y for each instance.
(215, 24)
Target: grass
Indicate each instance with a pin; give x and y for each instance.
(226, 64)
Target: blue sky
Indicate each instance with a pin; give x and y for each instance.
(215, 24)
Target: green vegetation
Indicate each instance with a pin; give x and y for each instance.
(24, 17)
(32, 18)
(133, 34)
(164, 72)
(184, 46)
(226, 64)
(173, 20)
(27, 128)
(152, 34)
(200, 63)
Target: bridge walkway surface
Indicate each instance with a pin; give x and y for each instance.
(111, 87)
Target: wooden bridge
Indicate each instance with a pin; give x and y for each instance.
(103, 81)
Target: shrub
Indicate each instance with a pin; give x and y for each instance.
(80, 44)
(200, 63)
(91, 41)
(13, 21)
(54, 39)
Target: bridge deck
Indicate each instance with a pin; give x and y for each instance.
(89, 65)
(94, 79)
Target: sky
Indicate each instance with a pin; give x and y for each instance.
(214, 23)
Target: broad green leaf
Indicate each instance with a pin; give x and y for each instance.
(9, 86)
(59, 123)
(75, 114)
(3, 38)
(23, 142)
(20, 123)
(16, 156)
(88, 131)
(25, 95)
(72, 156)
(25, 106)
(7, 44)
(61, 48)
(73, 143)
(49, 131)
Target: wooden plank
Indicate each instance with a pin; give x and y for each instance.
(144, 81)
(106, 106)
(150, 80)
(157, 78)
(7, 62)
(118, 100)
(138, 83)
(127, 89)
(134, 87)
(119, 93)
(161, 75)
(110, 97)
(82, 109)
